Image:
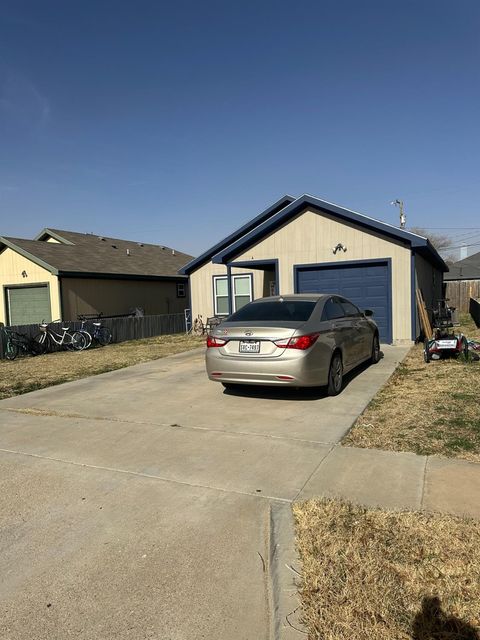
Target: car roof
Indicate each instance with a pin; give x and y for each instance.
(312, 297)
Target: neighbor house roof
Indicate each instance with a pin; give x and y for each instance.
(252, 233)
(87, 254)
(466, 269)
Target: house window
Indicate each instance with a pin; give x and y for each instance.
(242, 292)
(181, 290)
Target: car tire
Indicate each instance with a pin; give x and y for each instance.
(335, 375)
(375, 357)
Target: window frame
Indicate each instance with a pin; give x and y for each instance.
(344, 301)
(334, 300)
(233, 277)
(181, 287)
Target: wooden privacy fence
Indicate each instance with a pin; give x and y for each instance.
(459, 292)
(126, 328)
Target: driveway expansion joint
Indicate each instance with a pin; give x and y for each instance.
(46, 413)
(140, 474)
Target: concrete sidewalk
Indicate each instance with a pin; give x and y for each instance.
(397, 480)
(148, 502)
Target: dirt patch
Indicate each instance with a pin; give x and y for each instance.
(430, 409)
(371, 574)
(28, 374)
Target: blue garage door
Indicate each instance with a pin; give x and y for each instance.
(367, 285)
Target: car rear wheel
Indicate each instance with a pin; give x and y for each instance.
(335, 375)
(375, 357)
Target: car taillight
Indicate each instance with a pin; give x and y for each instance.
(298, 342)
(215, 342)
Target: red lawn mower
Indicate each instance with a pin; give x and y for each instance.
(445, 343)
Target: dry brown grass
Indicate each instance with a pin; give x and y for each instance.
(367, 572)
(430, 409)
(27, 374)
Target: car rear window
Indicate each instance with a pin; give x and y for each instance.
(288, 310)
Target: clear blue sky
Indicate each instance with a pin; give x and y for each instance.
(176, 122)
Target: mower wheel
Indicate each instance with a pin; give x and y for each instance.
(426, 352)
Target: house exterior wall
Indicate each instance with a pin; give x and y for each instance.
(429, 280)
(12, 264)
(201, 287)
(115, 297)
(309, 239)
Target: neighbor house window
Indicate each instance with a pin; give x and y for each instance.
(180, 290)
(242, 292)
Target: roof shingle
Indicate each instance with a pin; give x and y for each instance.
(94, 254)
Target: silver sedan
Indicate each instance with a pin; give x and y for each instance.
(296, 340)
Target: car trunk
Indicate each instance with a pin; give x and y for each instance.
(255, 340)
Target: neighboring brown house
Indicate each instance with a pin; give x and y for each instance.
(61, 274)
(462, 282)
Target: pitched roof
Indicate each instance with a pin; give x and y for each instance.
(466, 269)
(196, 263)
(84, 253)
(259, 228)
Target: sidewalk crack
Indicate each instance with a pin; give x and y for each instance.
(424, 477)
(315, 470)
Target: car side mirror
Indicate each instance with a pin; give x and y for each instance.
(368, 312)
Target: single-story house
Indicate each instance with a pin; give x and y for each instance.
(61, 274)
(462, 282)
(307, 245)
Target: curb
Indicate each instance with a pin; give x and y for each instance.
(282, 563)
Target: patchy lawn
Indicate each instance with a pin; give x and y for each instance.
(27, 374)
(430, 409)
(369, 574)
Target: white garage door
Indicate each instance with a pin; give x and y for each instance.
(28, 305)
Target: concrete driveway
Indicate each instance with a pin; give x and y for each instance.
(136, 504)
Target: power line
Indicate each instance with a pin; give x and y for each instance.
(460, 246)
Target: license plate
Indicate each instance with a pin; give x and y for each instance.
(447, 344)
(249, 346)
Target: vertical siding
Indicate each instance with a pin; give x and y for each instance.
(429, 280)
(201, 287)
(115, 297)
(309, 239)
(12, 264)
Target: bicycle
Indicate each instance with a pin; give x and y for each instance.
(101, 335)
(71, 340)
(198, 328)
(17, 342)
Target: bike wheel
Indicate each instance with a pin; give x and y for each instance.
(88, 338)
(103, 336)
(43, 342)
(34, 348)
(11, 351)
(78, 341)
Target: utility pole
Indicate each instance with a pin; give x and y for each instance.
(403, 218)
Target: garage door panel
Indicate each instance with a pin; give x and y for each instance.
(367, 286)
(28, 305)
